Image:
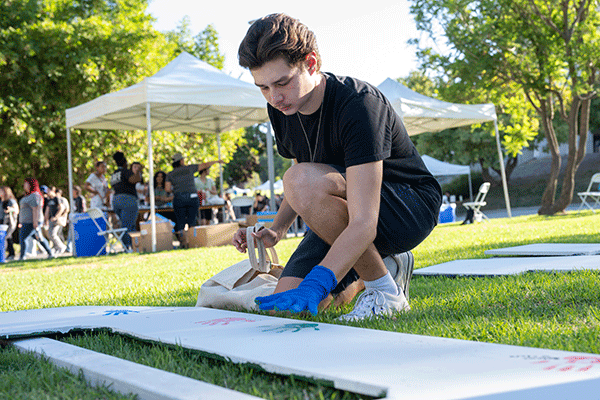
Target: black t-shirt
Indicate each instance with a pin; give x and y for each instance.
(52, 204)
(359, 125)
(119, 181)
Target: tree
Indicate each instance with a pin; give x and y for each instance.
(204, 45)
(207, 47)
(595, 113)
(55, 54)
(517, 126)
(245, 159)
(549, 49)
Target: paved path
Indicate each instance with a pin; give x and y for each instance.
(515, 212)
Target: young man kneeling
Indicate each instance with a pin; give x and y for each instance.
(358, 181)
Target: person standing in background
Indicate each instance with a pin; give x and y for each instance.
(10, 209)
(79, 205)
(54, 211)
(180, 181)
(141, 188)
(161, 196)
(206, 186)
(31, 218)
(125, 200)
(97, 185)
(63, 216)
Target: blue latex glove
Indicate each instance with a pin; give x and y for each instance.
(315, 287)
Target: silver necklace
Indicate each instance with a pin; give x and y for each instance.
(312, 155)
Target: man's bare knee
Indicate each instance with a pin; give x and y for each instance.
(306, 183)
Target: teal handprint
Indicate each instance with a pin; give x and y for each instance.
(290, 327)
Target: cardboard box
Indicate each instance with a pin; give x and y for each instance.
(251, 220)
(164, 236)
(266, 218)
(211, 235)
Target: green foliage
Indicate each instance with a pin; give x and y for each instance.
(207, 47)
(544, 50)
(420, 83)
(250, 159)
(245, 159)
(55, 54)
(280, 165)
(595, 113)
(204, 45)
(476, 144)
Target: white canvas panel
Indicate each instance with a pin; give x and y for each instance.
(366, 361)
(124, 376)
(511, 266)
(548, 249)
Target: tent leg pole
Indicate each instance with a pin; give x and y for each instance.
(470, 188)
(70, 171)
(272, 203)
(151, 178)
(503, 172)
(220, 165)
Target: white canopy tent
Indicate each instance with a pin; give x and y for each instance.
(187, 95)
(424, 114)
(267, 186)
(441, 168)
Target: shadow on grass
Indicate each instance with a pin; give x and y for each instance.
(59, 262)
(196, 364)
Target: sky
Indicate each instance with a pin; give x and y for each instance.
(368, 42)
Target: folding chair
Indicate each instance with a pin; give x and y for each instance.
(478, 203)
(241, 201)
(591, 194)
(96, 213)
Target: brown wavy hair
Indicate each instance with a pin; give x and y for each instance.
(8, 192)
(277, 35)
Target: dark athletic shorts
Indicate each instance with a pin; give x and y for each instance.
(407, 215)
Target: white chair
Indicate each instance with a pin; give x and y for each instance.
(117, 234)
(242, 201)
(592, 195)
(478, 203)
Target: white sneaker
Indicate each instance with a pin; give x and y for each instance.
(374, 303)
(401, 268)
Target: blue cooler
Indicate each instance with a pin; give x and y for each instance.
(447, 213)
(85, 235)
(3, 230)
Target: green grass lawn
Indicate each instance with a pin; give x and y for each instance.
(556, 311)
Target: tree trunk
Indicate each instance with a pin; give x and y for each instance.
(550, 134)
(577, 141)
(511, 164)
(578, 122)
(485, 174)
